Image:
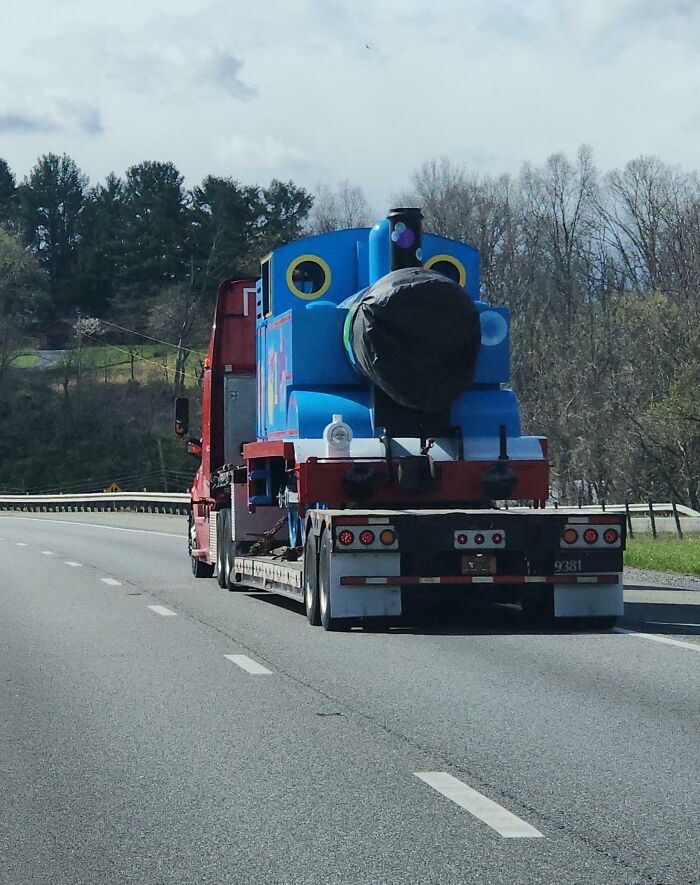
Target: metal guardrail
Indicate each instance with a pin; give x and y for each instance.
(145, 502)
(660, 508)
(178, 502)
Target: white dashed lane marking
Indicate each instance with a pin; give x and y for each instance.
(163, 611)
(47, 552)
(73, 564)
(496, 816)
(248, 664)
(111, 582)
(20, 544)
(666, 640)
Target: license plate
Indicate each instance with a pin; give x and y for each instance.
(478, 564)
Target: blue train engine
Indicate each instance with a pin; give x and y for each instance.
(380, 376)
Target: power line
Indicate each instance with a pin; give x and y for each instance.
(134, 355)
(151, 338)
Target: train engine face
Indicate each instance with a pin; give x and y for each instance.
(384, 331)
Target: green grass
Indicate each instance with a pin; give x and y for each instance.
(666, 554)
(25, 361)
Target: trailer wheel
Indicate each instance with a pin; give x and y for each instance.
(223, 560)
(324, 586)
(606, 622)
(539, 610)
(200, 568)
(311, 580)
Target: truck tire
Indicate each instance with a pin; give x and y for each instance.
(223, 544)
(324, 586)
(539, 610)
(311, 580)
(606, 622)
(200, 568)
(231, 582)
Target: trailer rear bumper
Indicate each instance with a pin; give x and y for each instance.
(411, 580)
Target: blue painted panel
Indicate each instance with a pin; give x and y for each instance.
(493, 364)
(481, 412)
(310, 411)
(319, 357)
(275, 369)
(302, 348)
(338, 250)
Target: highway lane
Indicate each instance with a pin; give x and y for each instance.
(135, 751)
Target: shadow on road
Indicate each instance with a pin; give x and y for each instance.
(663, 617)
(450, 617)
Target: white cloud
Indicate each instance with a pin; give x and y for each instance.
(289, 88)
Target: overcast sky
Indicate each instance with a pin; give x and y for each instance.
(322, 90)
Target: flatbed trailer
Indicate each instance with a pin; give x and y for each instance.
(491, 555)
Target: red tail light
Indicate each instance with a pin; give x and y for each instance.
(590, 536)
(367, 537)
(611, 536)
(462, 539)
(496, 538)
(479, 539)
(346, 537)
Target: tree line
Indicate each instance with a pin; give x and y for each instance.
(600, 271)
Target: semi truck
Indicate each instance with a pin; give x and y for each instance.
(360, 444)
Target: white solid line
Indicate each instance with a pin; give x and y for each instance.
(20, 544)
(672, 624)
(496, 816)
(95, 525)
(162, 610)
(47, 552)
(666, 640)
(248, 664)
(111, 582)
(73, 564)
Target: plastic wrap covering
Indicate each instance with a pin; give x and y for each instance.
(416, 335)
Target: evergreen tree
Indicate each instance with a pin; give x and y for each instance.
(51, 201)
(101, 256)
(8, 195)
(156, 251)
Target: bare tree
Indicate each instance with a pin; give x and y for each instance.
(338, 209)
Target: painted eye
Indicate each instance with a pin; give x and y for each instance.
(449, 267)
(308, 277)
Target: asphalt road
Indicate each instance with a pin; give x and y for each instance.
(132, 750)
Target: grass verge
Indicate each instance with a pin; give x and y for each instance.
(666, 554)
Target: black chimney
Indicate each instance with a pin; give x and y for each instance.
(405, 238)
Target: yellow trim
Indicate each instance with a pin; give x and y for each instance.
(308, 296)
(450, 259)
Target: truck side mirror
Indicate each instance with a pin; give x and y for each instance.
(182, 415)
